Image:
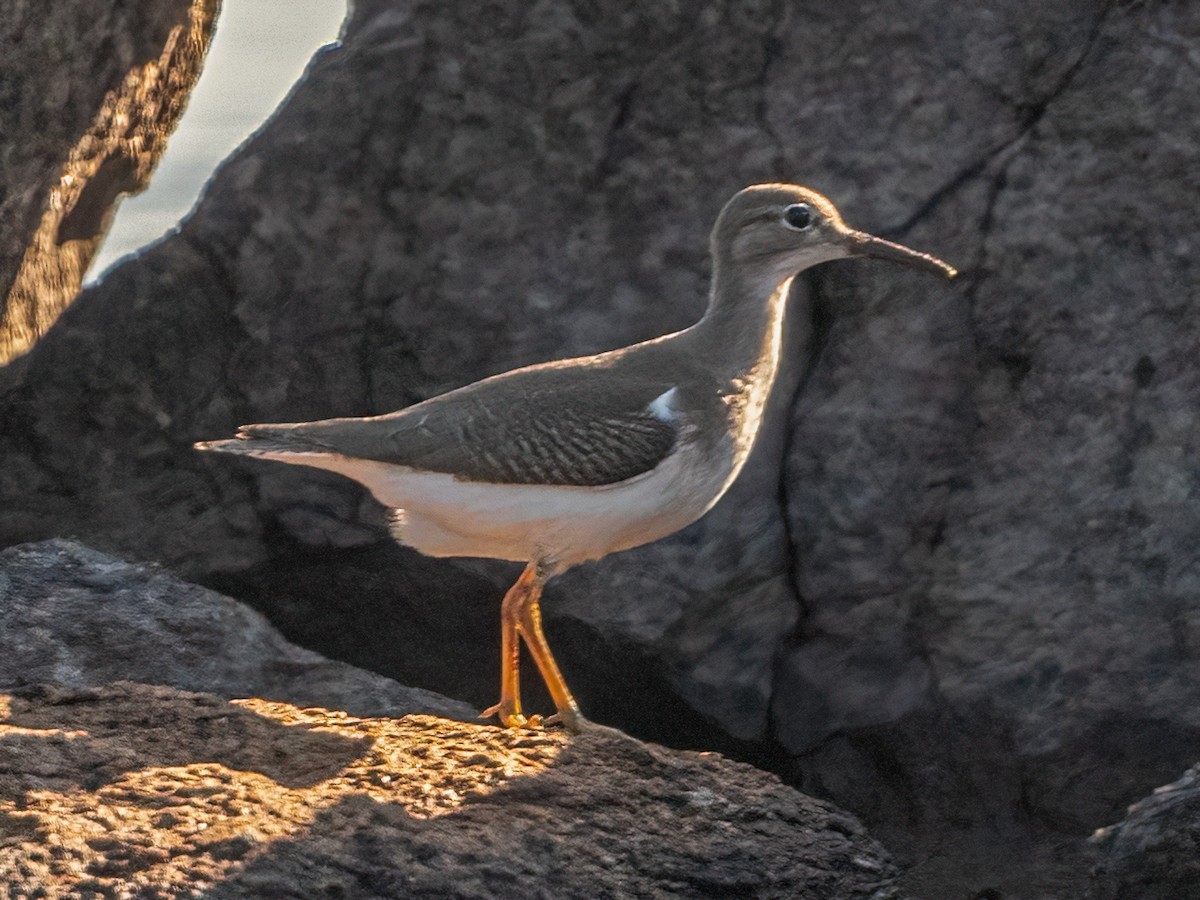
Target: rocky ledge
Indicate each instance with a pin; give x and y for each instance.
(128, 789)
(73, 616)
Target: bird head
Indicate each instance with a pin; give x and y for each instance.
(782, 229)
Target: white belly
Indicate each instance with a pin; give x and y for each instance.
(443, 516)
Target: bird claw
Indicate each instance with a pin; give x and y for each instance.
(508, 715)
(569, 719)
(508, 711)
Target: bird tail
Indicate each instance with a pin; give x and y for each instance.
(270, 441)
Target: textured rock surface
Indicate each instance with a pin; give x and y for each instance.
(960, 566)
(89, 93)
(76, 617)
(1154, 852)
(129, 790)
(995, 512)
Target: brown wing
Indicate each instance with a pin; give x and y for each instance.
(543, 426)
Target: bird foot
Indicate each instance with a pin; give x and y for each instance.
(569, 719)
(510, 716)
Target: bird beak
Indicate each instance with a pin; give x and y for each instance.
(862, 244)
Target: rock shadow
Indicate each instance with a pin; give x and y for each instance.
(59, 738)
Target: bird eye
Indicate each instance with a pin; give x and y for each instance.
(798, 216)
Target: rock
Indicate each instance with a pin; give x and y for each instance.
(75, 617)
(89, 93)
(164, 793)
(954, 589)
(992, 508)
(1151, 854)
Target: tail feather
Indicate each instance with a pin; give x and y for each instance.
(265, 440)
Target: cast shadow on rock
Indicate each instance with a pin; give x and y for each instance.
(135, 786)
(607, 816)
(70, 737)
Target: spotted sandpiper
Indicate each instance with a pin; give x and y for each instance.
(567, 461)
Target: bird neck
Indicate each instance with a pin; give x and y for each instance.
(741, 332)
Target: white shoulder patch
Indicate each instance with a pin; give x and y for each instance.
(663, 408)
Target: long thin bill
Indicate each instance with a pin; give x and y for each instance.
(863, 244)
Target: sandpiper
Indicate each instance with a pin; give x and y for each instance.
(567, 461)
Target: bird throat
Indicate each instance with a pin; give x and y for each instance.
(745, 340)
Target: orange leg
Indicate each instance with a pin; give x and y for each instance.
(520, 615)
(530, 627)
(508, 710)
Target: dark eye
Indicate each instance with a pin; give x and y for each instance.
(798, 216)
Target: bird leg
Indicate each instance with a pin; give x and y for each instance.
(508, 710)
(521, 615)
(529, 625)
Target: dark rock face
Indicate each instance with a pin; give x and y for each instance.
(991, 501)
(964, 545)
(129, 789)
(1152, 852)
(89, 93)
(75, 617)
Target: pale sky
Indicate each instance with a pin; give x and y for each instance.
(259, 51)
